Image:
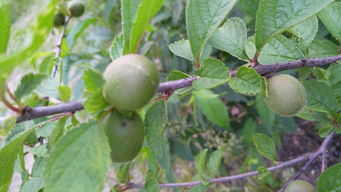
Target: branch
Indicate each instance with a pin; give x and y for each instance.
(59, 46)
(309, 156)
(177, 84)
(321, 151)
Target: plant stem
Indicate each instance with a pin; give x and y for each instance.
(59, 46)
(33, 113)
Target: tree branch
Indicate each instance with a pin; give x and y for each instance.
(59, 46)
(322, 149)
(311, 157)
(33, 113)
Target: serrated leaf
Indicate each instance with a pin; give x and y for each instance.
(176, 75)
(93, 80)
(279, 49)
(212, 107)
(214, 162)
(95, 101)
(128, 14)
(27, 84)
(249, 130)
(212, 73)
(274, 17)
(322, 48)
(330, 17)
(265, 146)
(155, 120)
(64, 93)
(231, 38)
(200, 163)
(247, 81)
(78, 30)
(79, 161)
(34, 184)
(329, 180)
(41, 30)
(306, 30)
(325, 102)
(116, 48)
(182, 49)
(145, 12)
(267, 117)
(203, 17)
(8, 155)
(5, 25)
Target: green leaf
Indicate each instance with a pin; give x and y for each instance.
(279, 49)
(128, 14)
(176, 75)
(212, 73)
(249, 130)
(200, 163)
(330, 17)
(78, 30)
(231, 38)
(64, 93)
(8, 155)
(5, 25)
(93, 80)
(265, 146)
(41, 30)
(182, 49)
(306, 30)
(267, 117)
(34, 184)
(95, 101)
(335, 71)
(212, 107)
(274, 17)
(199, 188)
(214, 162)
(155, 121)
(146, 11)
(247, 81)
(329, 180)
(27, 84)
(116, 48)
(325, 102)
(79, 161)
(322, 48)
(203, 17)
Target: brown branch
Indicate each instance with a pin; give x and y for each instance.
(59, 46)
(309, 156)
(177, 84)
(322, 149)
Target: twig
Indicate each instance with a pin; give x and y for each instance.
(322, 149)
(177, 84)
(59, 46)
(309, 156)
(324, 162)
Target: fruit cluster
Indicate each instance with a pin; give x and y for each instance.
(74, 9)
(131, 81)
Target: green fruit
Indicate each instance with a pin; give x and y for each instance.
(286, 95)
(300, 186)
(131, 81)
(76, 9)
(59, 19)
(125, 134)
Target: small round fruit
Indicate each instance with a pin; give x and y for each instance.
(286, 95)
(131, 81)
(76, 8)
(125, 134)
(300, 186)
(59, 19)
